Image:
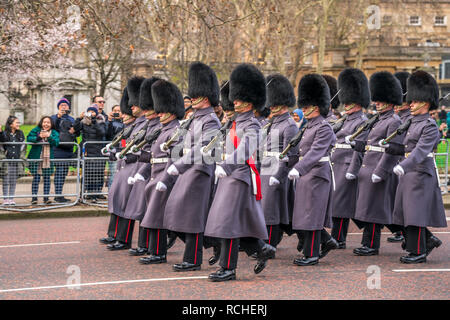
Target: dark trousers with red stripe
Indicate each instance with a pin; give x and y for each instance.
(125, 229)
(416, 239)
(157, 242)
(193, 250)
(371, 235)
(312, 239)
(113, 223)
(340, 229)
(394, 228)
(229, 251)
(275, 235)
(143, 238)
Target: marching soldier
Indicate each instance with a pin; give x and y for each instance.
(275, 201)
(236, 214)
(120, 189)
(128, 121)
(312, 207)
(376, 181)
(332, 84)
(354, 94)
(418, 202)
(188, 203)
(169, 106)
(136, 205)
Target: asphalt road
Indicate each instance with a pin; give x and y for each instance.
(39, 259)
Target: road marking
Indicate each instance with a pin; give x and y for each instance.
(421, 270)
(437, 232)
(102, 283)
(39, 244)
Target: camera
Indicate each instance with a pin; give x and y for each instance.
(116, 115)
(88, 114)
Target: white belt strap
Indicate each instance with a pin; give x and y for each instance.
(374, 148)
(159, 160)
(323, 159)
(342, 146)
(327, 159)
(431, 155)
(186, 151)
(271, 154)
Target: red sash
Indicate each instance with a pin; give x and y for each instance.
(251, 162)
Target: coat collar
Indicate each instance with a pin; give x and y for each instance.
(314, 121)
(355, 115)
(421, 117)
(170, 125)
(153, 122)
(386, 114)
(140, 120)
(245, 116)
(281, 118)
(202, 112)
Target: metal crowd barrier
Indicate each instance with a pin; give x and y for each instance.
(30, 185)
(441, 159)
(97, 174)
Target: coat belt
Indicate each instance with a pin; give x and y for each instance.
(374, 148)
(342, 146)
(159, 160)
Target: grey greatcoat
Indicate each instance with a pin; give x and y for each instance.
(376, 200)
(136, 205)
(156, 200)
(418, 201)
(342, 158)
(275, 201)
(120, 189)
(312, 208)
(235, 212)
(188, 203)
(331, 116)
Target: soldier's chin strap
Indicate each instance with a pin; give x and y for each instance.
(423, 104)
(350, 106)
(276, 109)
(384, 107)
(198, 100)
(310, 109)
(241, 107)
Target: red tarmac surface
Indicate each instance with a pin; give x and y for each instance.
(340, 275)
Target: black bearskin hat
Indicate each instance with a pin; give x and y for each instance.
(264, 112)
(168, 98)
(134, 88)
(384, 87)
(279, 91)
(423, 87)
(332, 84)
(203, 83)
(227, 105)
(145, 95)
(313, 91)
(354, 87)
(125, 108)
(403, 77)
(248, 84)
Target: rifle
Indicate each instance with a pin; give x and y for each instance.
(138, 137)
(339, 123)
(184, 126)
(124, 134)
(400, 130)
(222, 132)
(365, 126)
(294, 141)
(149, 138)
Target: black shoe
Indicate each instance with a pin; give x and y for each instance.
(222, 275)
(117, 246)
(92, 198)
(61, 199)
(253, 256)
(341, 245)
(404, 244)
(171, 241)
(365, 251)
(396, 237)
(304, 261)
(34, 201)
(327, 247)
(137, 251)
(267, 252)
(107, 240)
(186, 266)
(414, 258)
(47, 201)
(432, 242)
(153, 259)
(100, 197)
(215, 257)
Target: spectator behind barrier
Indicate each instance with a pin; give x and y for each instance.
(115, 123)
(63, 124)
(11, 171)
(44, 132)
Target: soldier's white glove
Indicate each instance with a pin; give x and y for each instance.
(220, 172)
(398, 170)
(347, 140)
(160, 186)
(273, 181)
(380, 143)
(131, 180)
(113, 150)
(173, 171)
(375, 178)
(350, 176)
(117, 156)
(161, 147)
(293, 174)
(202, 150)
(138, 177)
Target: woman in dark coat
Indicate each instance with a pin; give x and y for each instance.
(44, 132)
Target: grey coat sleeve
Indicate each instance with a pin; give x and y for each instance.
(358, 157)
(388, 161)
(293, 154)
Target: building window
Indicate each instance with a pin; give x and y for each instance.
(444, 72)
(440, 20)
(414, 21)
